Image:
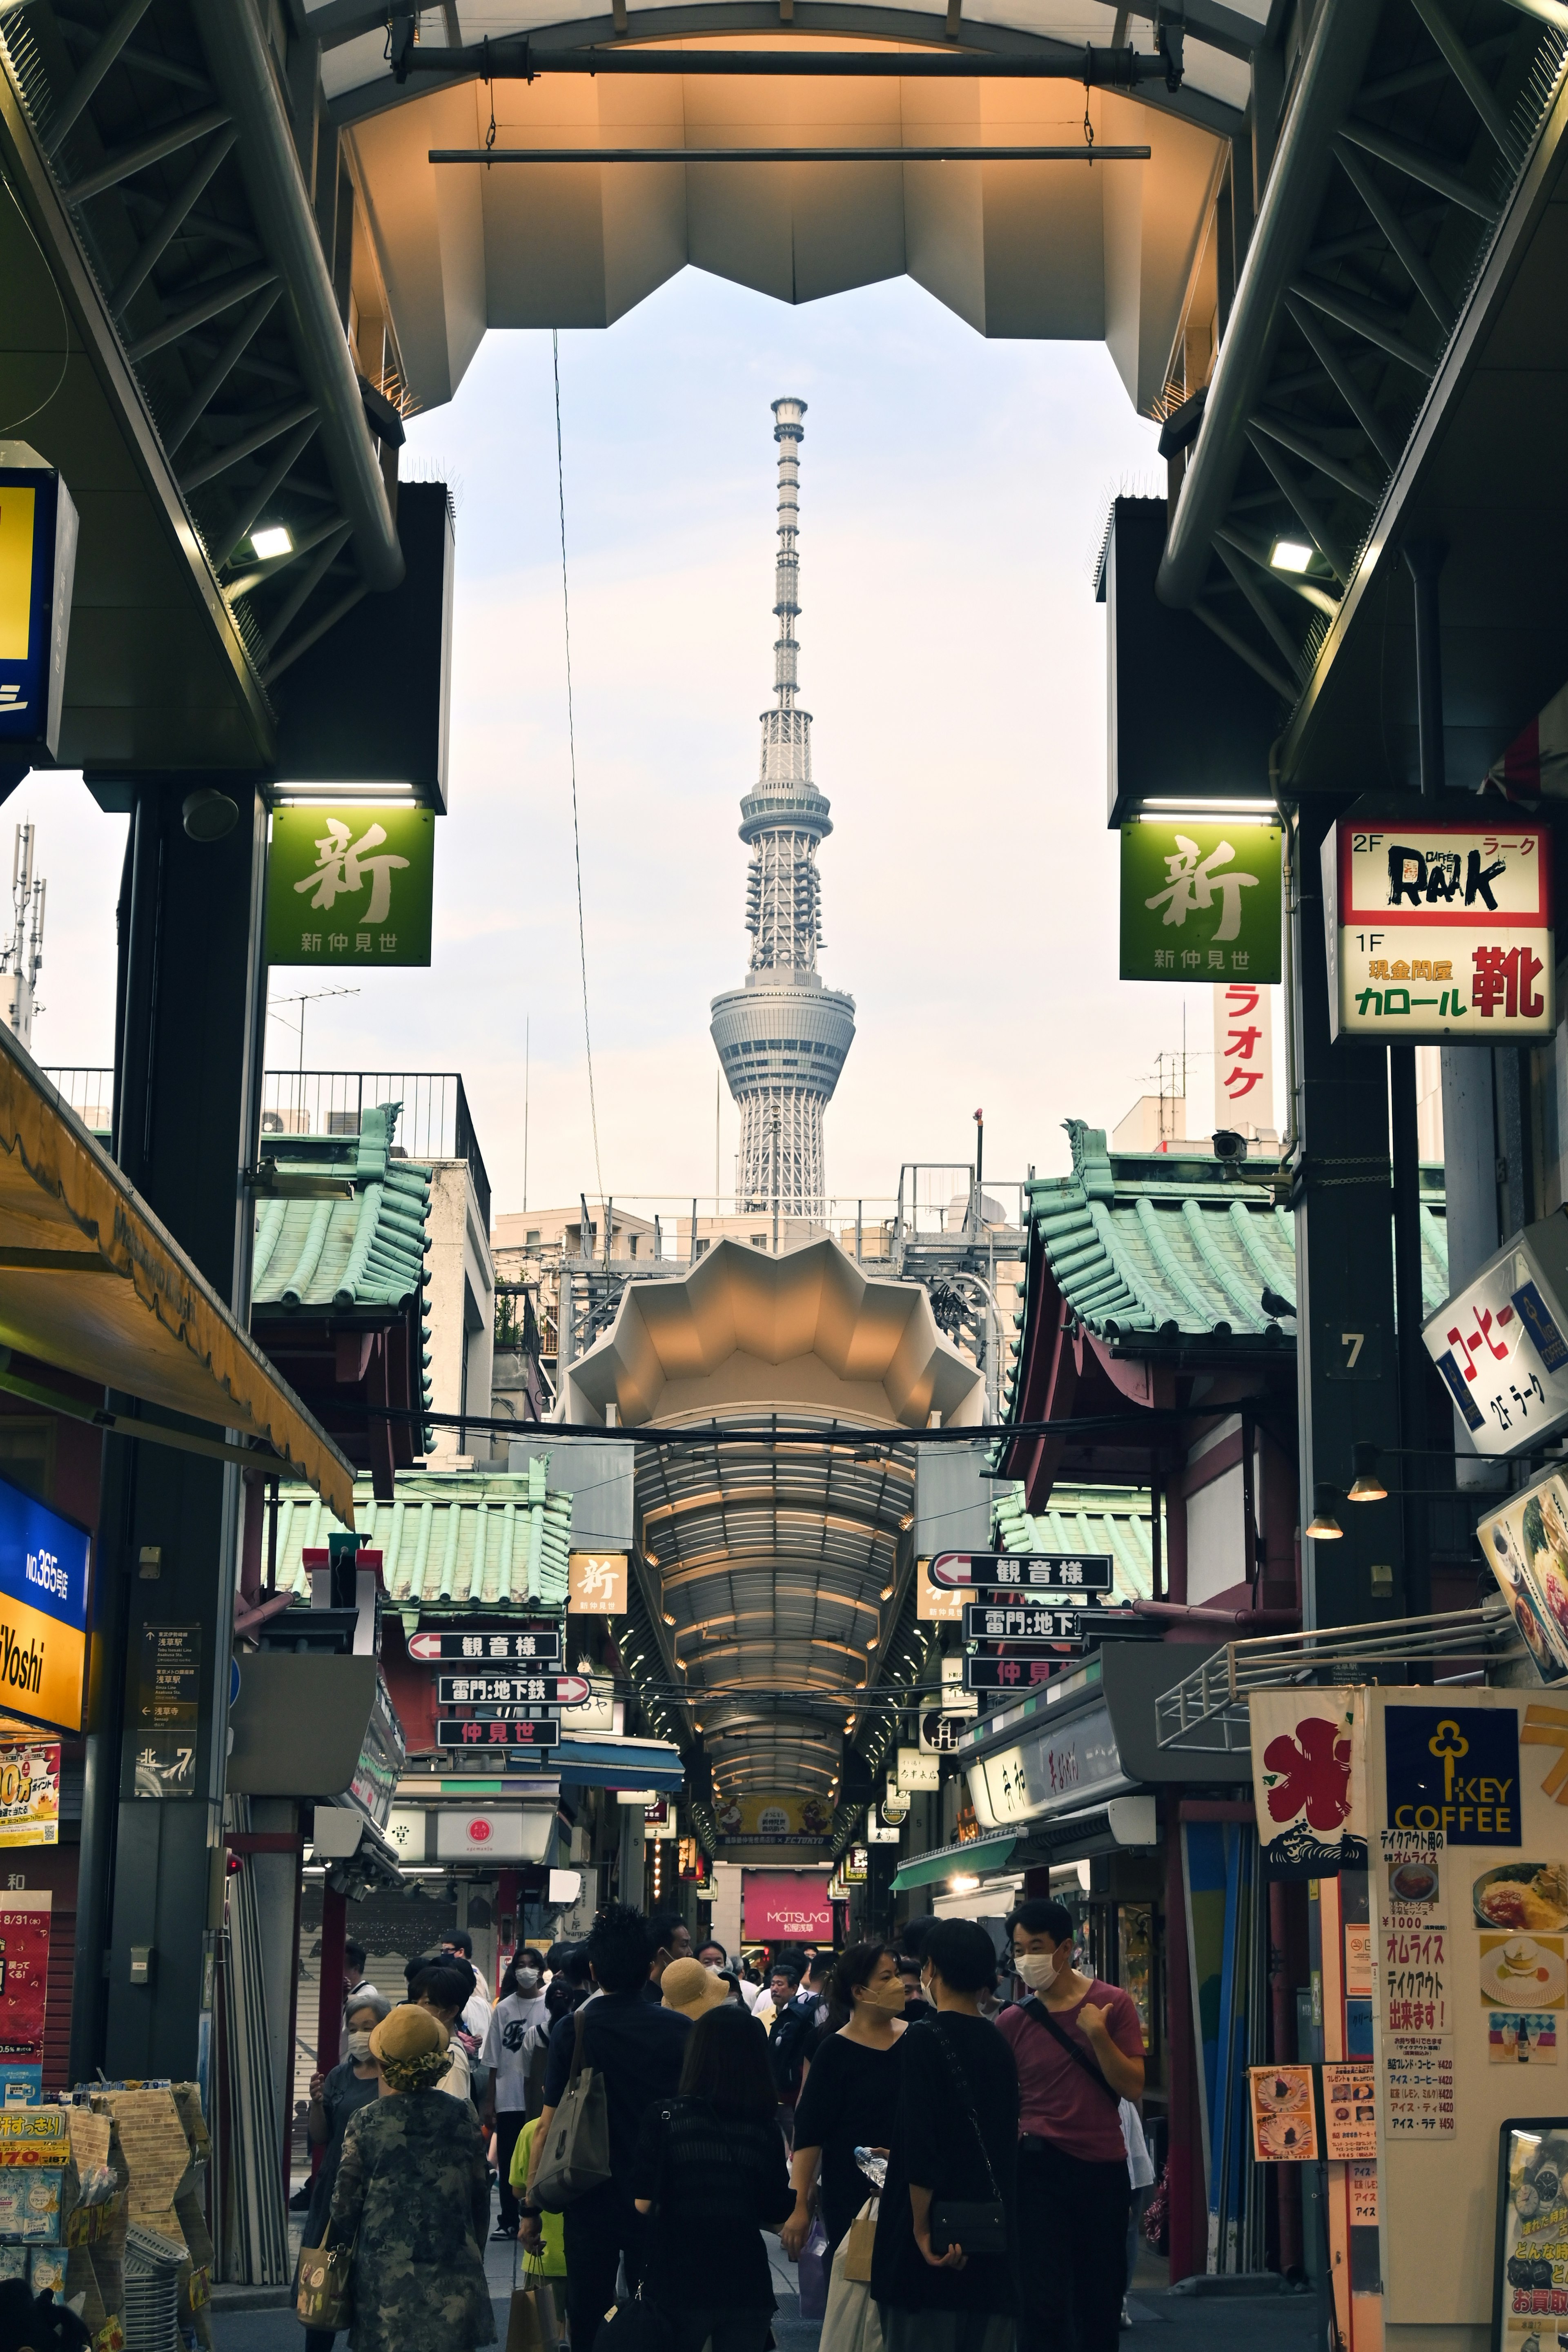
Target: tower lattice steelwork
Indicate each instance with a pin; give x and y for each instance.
(783, 1037)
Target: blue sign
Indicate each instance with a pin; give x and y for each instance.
(44, 1565)
(1454, 1770)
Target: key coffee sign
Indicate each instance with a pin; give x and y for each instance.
(1439, 931)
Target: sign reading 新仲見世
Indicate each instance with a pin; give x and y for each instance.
(1438, 931)
(1201, 900)
(350, 886)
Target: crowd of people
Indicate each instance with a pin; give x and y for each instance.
(963, 2168)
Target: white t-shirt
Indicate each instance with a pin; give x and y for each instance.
(1140, 2164)
(508, 2045)
(476, 2016)
(455, 2081)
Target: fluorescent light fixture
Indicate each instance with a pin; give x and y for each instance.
(310, 795)
(1291, 555)
(273, 541)
(1216, 808)
(1196, 812)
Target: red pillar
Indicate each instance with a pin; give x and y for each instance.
(1185, 2178)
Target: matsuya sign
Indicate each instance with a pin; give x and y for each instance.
(1438, 931)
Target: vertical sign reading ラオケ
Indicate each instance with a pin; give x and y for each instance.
(350, 886)
(1438, 933)
(1201, 900)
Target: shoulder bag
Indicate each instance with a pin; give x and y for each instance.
(979, 2226)
(577, 2155)
(1041, 2015)
(323, 2296)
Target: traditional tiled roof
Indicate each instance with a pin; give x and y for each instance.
(1170, 1248)
(1085, 1518)
(451, 1541)
(364, 1252)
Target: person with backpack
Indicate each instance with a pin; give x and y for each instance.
(1080, 2051)
(710, 2172)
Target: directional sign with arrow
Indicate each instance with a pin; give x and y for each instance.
(1026, 1572)
(486, 1649)
(513, 1690)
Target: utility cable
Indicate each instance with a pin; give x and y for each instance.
(572, 748)
(7, 430)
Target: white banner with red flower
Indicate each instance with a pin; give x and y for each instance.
(1309, 1780)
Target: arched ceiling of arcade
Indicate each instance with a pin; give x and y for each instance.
(1019, 249)
(775, 1572)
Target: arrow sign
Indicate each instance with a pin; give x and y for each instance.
(512, 1690)
(1017, 1625)
(452, 1733)
(487, 1649)
(1026, 1572)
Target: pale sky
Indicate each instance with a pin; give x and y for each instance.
(953, 659)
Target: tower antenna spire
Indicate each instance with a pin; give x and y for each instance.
(782, 1039)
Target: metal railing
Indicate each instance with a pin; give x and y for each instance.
(1206, 1712)
(434, 1123)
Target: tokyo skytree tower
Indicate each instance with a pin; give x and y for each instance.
(783, 1037)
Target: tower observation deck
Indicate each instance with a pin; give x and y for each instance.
(782, 1038)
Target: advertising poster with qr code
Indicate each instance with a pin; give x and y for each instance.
(1531, 2287)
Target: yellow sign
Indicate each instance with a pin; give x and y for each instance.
(936, 1605)
(774, 1820)
(30, 1795)
(596, 1584)
(15, 571)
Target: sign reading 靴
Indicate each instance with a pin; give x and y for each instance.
(1201, 900)
(1439, 931)
(350, 886)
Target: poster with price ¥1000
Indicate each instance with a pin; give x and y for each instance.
(1530, 2280)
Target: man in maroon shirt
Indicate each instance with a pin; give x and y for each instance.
(1079, 2051)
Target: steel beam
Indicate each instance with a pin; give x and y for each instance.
(1328, 82)
(1333, 366)
(212, 383)
(282, 420)
(212, 305)
(488, 155)
(170, 220)
(1121, 69)
(127, 160)
(80, 91)
(1428, 171)
(243, 75)
(1413, 263)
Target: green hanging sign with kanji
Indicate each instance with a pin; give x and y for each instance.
(351, 886)
(1201, 900)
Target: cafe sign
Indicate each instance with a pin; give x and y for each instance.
(1438, 932)
(1501, 1344)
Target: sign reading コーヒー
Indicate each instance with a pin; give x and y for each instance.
(1438, 931)
(1200, 900)
(1500, 1345)
(350, 886)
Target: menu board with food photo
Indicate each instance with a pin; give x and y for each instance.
(1526, 1546)
(1523, 1895)
(1350, 2113)
(1522, 2038)
(1530, 2291)
(1524, 1972)
(1284, 2114)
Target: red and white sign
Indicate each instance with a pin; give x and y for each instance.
(1243, 1056)
(1440, 933)
(1309, 1781)
(785, 1907)
(25, 1922)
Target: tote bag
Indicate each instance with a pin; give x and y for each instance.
(324, 2297)
(851, 2322)
(577, 2153)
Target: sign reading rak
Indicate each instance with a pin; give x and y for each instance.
(1438, 931)
(43, 1611)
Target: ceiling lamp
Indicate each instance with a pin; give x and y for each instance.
(1368, 1487)
(1291, 555)
(1323, 1527)
(668, 1617)
(273, 541)
(886, 1594)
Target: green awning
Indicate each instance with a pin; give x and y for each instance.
(971, 1861)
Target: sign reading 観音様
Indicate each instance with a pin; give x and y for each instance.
(1438, 931)
(1200, 900)
(350, 886)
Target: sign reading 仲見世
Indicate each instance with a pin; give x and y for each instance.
(1201, 900)
(350, 886)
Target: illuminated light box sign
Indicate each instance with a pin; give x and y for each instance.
(351, 886)
(782, 1908)
(44, 1564)
(1201, 900)
(38, 569)
(1438, 931)
(1500, 1345)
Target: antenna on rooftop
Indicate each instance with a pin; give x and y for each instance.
(22, 960)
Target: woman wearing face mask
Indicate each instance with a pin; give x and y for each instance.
(505, 2053)
(851, 2095)
(334, 2099)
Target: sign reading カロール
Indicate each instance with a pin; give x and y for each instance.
(785, 1907)
(1438, 931)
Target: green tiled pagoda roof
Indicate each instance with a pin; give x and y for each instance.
(364, 1252)
(1168, 1247)
(1085, 1518)
(452, 1541)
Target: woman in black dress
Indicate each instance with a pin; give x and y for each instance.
(334, 2097)
(851, 2097)
(956, 2137)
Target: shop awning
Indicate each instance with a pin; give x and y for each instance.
(91, 1283)
(971, 1861)
(611, 1763)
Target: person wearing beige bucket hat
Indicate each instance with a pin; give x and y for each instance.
(413, 2200)
(689, 1988)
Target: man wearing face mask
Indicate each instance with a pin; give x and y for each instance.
(1079, 2051)
(505, 2052)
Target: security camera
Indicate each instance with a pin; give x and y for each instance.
(1229, 1147)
